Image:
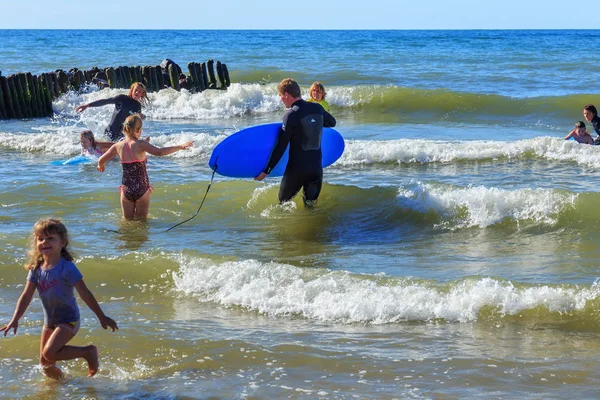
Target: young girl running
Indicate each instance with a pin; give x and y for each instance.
(135, 188)
(52, 272)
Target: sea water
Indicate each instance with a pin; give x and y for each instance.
(454, 251)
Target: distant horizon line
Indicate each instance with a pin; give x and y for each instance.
(297, 29)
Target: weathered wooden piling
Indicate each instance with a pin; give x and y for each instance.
(221, 75)
(212, 82)
(63, 81)
(19, 92)
(46, 83)
(81, 78)
(44, 97)
(41, 101)
(2, 106)
(193, 75)
(25, 95)
(13, 94)
(32, 95)
(49, 86)
(112, 78)
(8, 101)
(154, 78)
(202, 75)
(148, 79)
(55, 86)
(174, 77)
(226, 73)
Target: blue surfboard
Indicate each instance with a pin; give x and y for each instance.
(245, 153)
(80, 159)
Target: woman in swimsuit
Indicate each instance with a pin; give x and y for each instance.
(135, 188)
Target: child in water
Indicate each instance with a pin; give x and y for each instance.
(135, 188)
(317, 95)
(580, 134)
(52, 272)
(90, 147)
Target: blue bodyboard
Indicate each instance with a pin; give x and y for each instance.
(80, 159)
(245, 153)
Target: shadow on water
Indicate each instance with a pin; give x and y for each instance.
(130, 235)
(343, 220)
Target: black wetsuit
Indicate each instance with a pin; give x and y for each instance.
(124, 107)
(596, 124)
(302, 128)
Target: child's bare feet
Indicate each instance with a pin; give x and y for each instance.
(53, 372)
(92, 359)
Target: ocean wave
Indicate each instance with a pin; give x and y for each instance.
(408, 151)
(286, 291)
(443, 206)
(169, 104)
(479, 206)
(64, 140)
(372, 102)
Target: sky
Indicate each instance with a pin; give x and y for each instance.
(299, 14)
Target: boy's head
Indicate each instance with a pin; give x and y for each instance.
(580, 127)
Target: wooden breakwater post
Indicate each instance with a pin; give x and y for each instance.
(25, 95)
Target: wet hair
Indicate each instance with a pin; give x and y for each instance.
(318, 85)
(131, 125)
(47, 226)
(591, 109)
(579, 124)
(144, 100)
(290, 87)
(89, 135)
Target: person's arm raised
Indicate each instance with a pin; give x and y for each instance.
(97, 103)
(163, 151)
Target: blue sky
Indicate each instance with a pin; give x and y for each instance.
(300, 14)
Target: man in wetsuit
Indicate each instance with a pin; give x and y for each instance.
(302, 128)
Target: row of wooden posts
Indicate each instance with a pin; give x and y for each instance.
(25, 95)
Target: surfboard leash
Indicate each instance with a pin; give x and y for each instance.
(202, 202)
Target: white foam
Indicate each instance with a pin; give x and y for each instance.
(363, 152)
(481, 206)
(66, 142)
(237, 100)
(59, 142)
(284, 290)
